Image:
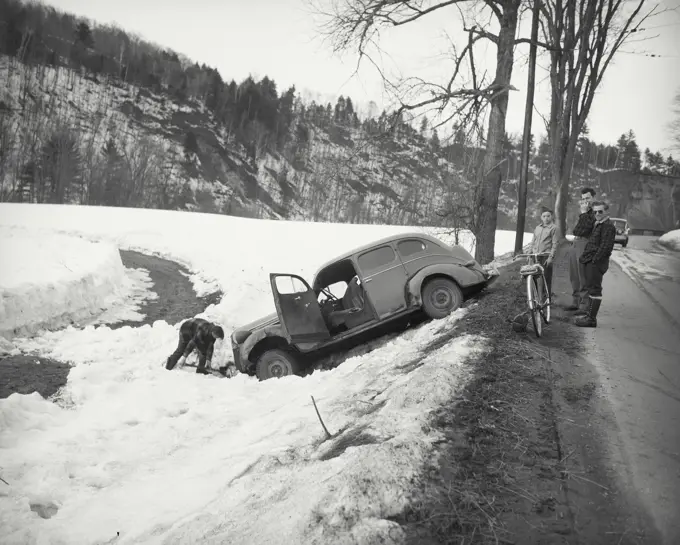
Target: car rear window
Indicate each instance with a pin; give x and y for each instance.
(376, 258)
(411, 247)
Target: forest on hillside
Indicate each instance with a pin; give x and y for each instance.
(255, 115)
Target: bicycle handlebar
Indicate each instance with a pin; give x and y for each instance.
(532, 255)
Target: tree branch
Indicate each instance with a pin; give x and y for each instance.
(539, 43)
(482, 33)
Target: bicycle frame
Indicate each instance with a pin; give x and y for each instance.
(540, 310)
(533, 270)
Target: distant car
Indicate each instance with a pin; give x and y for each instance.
(384, 281)
(622, 231)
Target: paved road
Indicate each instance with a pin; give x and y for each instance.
(636, 350)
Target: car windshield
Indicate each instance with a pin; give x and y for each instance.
(619, 224)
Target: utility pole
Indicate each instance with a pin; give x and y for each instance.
(528, 111)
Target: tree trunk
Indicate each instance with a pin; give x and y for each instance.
(491, 176)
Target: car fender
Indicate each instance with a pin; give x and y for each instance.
(461, 275)
(256, 336)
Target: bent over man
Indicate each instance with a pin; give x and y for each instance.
(198, 334)
(595, 260)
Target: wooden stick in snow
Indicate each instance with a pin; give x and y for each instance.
(328, 435)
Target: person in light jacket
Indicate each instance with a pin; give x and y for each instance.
(545, 241)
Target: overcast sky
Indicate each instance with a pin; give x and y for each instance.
(279, 38)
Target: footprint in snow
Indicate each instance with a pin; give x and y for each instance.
(44, 509)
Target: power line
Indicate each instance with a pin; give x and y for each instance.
(656, 55)
(653, 27)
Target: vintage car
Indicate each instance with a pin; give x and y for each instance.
(384, 281)
(622, 231)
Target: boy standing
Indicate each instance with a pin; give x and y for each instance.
(545, 241)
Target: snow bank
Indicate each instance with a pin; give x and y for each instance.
(49, 280)
(228, 253)
(178, 457)
(133, 453)
(671, 240)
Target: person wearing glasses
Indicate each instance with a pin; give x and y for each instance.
(595, 260)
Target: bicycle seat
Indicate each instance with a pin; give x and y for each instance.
(530, 269)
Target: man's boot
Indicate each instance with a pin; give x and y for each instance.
(590, 319)
(583, 307)
(575, 300)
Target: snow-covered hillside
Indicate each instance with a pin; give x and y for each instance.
(137, 454)
(340, 173)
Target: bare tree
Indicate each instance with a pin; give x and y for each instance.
(675, 124)
(355, 25)
(459, 212)
(582, 37)
(60, 167)
(139, 165)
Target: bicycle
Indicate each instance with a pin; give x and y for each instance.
(536, 288)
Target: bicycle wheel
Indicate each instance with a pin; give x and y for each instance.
(544, 296)
(532, 297)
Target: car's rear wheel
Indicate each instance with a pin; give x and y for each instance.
(441, 297)
(276, 364)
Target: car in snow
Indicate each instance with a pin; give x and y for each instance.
(353, 297)
(622, 231)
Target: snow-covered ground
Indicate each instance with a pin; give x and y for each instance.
(49, 280)
(133, 453)
(671, 240)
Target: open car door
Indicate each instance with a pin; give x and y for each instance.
(298, 309)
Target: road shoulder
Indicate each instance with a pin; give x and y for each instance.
(527, 455)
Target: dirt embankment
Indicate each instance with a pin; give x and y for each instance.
(524, 458)
(176, 301)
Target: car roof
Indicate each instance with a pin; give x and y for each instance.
(618, 219)
(378, 242)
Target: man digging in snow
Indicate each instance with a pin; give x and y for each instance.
(595, 259)
(201, 335)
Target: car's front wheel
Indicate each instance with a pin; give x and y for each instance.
(441, 297)
(276, 364)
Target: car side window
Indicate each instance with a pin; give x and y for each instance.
(411, 247)
(377, 258)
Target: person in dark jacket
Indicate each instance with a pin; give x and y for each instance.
(582, 230)
(595, 260)
(198, 334)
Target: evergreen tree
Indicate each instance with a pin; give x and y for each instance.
(190, 145)
(628, 153)
(434, 141)
(83, 35)
(113, 176)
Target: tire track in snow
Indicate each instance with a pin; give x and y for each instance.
(176, 301)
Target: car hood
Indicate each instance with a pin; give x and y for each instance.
(269, 319)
